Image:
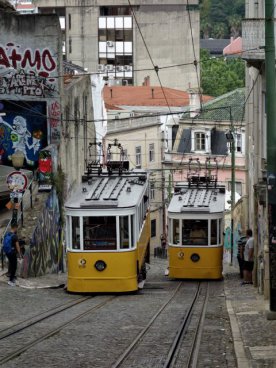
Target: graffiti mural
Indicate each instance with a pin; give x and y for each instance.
(23, 127)
(45, 254)
(26, 72)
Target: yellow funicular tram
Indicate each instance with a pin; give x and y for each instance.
(195, 223)
(108, 230)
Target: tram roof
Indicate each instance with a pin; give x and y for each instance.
(107, 191)
(198, 199)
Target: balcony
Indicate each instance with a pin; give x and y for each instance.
(253, 38)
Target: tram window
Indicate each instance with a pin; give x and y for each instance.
(195, 232)
(214, 232)
(99, 233)
(175, 231)
(124, 232)
(219, 231)
(132, 232)
(75, 232)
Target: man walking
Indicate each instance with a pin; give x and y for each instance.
(11, 248)
(248, 263)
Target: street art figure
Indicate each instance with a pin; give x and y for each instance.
(21, 137)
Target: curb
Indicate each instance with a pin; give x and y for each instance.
(242, 360)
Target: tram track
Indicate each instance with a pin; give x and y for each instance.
(172, 356)
(15, 353)
(22, 325)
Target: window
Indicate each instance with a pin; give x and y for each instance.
(238, 187)
(151, 152)
(69, 21)
(99, 233)
(138, 156)
(238, 143)
(195, 232)
(199, 141)
(75, 232)
(70, 45)
(152, 191)
(153, 228)
(124, 232)
(115, 10)
(175, 234)
(214, 232)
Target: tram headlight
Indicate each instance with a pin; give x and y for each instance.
(82, 262)
(100, 266)
(195, 257)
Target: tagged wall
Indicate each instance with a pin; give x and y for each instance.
(30, 69)
(45, 254)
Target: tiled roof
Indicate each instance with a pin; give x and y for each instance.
(218, 108)
(235, 47)
(146, 96)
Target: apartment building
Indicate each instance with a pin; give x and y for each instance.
(121, 41)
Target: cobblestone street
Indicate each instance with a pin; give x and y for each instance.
(100, 337)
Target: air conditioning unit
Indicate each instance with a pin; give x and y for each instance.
(110, 67)
(109, 44)
(101, 67)
(119, 68)
(127, 68)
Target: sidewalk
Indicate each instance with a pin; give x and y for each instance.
(254, 336)
(42, 282)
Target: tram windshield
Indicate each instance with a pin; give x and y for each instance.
(196, 232)
(99, 233)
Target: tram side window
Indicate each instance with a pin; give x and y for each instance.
(195, 232)
(214, 232)
(175, 231)
(75, 232)
(99, 233)
(124, 232)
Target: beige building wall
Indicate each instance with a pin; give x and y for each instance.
(134, 133)
(78, 129)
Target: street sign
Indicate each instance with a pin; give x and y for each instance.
(17, 181)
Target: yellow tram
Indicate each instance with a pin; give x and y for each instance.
(108, 231)
(195, 223)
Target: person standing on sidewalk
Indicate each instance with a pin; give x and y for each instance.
(12, 255)
(248, 263)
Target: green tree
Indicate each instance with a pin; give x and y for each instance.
(219, 30)
(234, 22)
(220, 75)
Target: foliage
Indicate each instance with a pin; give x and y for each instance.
(221, 18)
(221, 75)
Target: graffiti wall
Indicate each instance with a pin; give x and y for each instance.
(23, 127)
(31, 73)
(45, 254)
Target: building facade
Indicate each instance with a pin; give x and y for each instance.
(253, 35)
(105, 37)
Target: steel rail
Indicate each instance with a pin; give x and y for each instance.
(192, 361)
(12, 330)
(181, 331)
(142, 333)
(26, 347)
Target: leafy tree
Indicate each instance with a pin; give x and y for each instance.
(214, 13)
(220, 75)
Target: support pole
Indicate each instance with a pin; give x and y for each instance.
(271, 149)
(233, 181)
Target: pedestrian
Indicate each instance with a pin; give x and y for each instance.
(163, 246)
(248, 256)
(12, 249)
(241, 244)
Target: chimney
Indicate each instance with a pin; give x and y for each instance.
(194, 101)
(146, 82)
